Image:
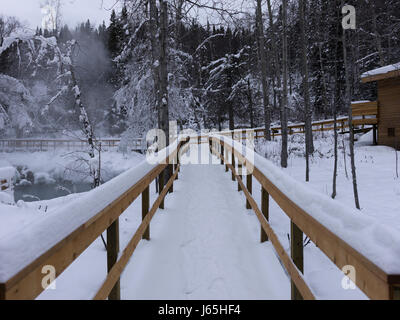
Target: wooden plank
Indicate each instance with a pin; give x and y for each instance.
(161, 187)
(118, 268)
(365, 108)
(359, 122)
(249, 186)
(112, 256)
(145, 210)
(265, 211)
(297, 254)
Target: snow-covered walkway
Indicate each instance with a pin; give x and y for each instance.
(204, 246)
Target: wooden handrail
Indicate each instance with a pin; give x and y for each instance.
(318, 126)
(27, 283)
(371, 279)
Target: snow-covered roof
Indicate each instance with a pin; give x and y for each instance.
(390, 71)
(360, 102)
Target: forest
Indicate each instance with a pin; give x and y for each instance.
(156, 61)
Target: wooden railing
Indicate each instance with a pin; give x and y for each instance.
(27, 283)
(360, 110)
(12, 145)
(4, 184)
(371, 279)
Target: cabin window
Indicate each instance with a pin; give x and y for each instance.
(391, 132)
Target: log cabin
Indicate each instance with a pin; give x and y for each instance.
(388, 104)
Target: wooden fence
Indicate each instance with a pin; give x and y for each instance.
(317, 126)
(372, 280)
(5, 184)
(27, 283)
(41, 145)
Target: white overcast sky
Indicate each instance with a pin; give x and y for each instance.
(73, 11)
(77, 11)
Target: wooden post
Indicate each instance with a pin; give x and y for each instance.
(112, 256)
(296, 249)
(161, 187)
(249, 188)
(222, 155)
(265, 211)
(233, 165)
(171, 172)
(375, 135)
(145, 210)
(239, 175)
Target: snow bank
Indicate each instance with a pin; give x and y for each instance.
(23, 243)
(376, 241)
(383, 70)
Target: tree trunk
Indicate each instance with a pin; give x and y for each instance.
(284, 125)
(306, 87)
(277, 82)
(251, 105)
(163, 96)
(263, 66)
(378, 41)
(163, 103)
(334, 101)
(155, 53)
(348, 103)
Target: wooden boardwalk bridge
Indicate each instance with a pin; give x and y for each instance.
(26, 281)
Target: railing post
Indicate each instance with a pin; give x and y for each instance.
(265, 211)
(171, 172)
(296, 249)
(145, 210)
(161, 187)
(227, 160)
(112, 256)
(222, 155)
(239, 173)
(249, 185)
(233, 165)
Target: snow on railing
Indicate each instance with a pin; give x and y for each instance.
(344, 235)
(60, 238)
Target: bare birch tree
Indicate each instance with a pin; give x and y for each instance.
(263, 65)
(350, 112)
(306, 87)
(284, 105)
